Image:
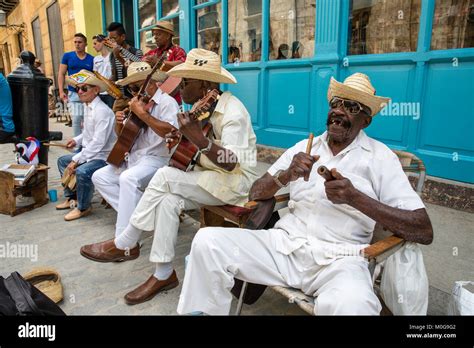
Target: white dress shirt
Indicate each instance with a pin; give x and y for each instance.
(149, 146)
(98, 136)
(335, 230)
(232, 129)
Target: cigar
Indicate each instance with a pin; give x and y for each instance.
(310, 143)
(325, 173)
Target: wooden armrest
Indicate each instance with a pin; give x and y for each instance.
(382, 246)
(279, 198)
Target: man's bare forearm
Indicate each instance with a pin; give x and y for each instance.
(414, 226)
(221, 157)
(266, 187)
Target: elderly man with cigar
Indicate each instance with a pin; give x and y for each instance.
(316, 246)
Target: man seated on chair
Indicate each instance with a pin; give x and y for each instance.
(224, 175)
(316, 246)
(96, 141)
(123, 187)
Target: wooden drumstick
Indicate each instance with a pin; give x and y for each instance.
(55, 144)
(325, 173)
(310, 143)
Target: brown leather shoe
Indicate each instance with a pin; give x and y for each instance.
(108, 252)
(150, 288)
(68, 204)
(77, 214)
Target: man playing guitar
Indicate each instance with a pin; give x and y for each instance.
(163, 33)
(223, 175)
(123, 187)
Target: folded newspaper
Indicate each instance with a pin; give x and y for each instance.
(22, 172)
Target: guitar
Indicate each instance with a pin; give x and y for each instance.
(186, 154)
(132, 124)
(112, 89)
(170, 86)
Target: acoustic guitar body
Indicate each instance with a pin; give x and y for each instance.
(126, 139)
(186, 154)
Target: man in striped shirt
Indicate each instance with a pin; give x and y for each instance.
(123, 53)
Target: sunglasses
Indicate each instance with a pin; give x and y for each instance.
(185, 82)
(83, 88)
(352, 107)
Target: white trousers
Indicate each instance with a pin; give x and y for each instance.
(123, 188)
(169, 193)
(218, 254)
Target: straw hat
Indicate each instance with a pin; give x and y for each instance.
(138, 71)
(358, 87)
(202, 65)
(47, 280)
(165, 26)
(87, 77)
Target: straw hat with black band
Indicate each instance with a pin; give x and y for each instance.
(204, 65)
(138, 71)
(165, 26)
(358, 87)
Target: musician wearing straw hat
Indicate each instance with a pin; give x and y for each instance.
(123, 187)
(163, 33)
(96, 140)
(316, 246)
(224, 174)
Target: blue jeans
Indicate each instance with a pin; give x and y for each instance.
(84, 185)
(76, 109)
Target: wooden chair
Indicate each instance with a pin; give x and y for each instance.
(382, 246)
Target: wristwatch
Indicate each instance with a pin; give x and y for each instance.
(277, 180)
(207, 148)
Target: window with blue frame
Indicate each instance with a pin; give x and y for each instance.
(209, 19)
(147, 12)
(245, 30)
(383, 26)
(169, 7)
(292, 29)
(171, 12)
(453, 24)
(151, 11)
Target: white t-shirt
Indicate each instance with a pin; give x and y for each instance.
(102, 66)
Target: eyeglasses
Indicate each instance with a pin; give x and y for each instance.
(85, 88)
(352, 107)
(185, 82)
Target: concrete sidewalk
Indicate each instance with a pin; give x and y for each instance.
(96, 288)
